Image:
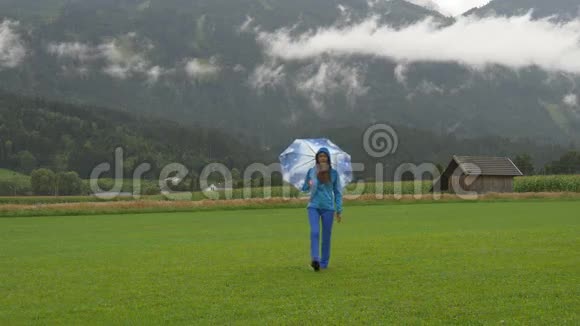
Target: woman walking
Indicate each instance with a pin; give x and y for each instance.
(325, 201)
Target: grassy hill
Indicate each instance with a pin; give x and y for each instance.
(6, 174)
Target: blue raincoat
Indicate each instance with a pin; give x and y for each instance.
(326, 196)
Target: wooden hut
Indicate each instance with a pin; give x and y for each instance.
(478, 174)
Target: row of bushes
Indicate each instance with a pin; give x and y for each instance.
(14, 188)
(44, 182)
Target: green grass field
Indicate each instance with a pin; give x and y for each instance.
(442, 263)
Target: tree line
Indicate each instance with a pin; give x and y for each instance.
(61, 143)
(36, 133)
(569, 163)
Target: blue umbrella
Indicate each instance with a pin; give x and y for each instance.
(299, 157)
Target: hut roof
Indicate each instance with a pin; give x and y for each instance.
(485, 165)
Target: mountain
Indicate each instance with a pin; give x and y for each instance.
(563, 9)
(428, 4)
(206, 63)
(65, 137)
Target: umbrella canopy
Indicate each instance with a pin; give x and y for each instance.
(300, 156)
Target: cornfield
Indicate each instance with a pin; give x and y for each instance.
(548, 183)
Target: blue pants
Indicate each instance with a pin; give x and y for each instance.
(314, 217)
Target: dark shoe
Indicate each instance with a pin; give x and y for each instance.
(315, 265)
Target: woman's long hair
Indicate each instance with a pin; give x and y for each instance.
(323, 170)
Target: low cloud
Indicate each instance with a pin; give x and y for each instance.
(73, 50)
(570, 100)
(122, 57)
(426, 87)
(401, 73)
(239, 68)
(514, 42)
(318, 81)
(267, 76)
(372, 3)
(126, 56)
(12, 50)
(245, 26)
(123, 61)
(75, 71)
(202, 68)
(155, 73)
(345, 14)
